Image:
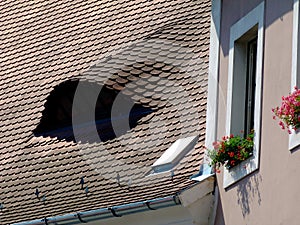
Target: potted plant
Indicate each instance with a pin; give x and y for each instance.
(289, 111)
(231, 150)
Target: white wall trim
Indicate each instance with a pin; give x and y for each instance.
(199, 200)
(294, 138)
(213, 78)
(255, 16)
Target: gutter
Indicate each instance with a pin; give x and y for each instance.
(104, 213)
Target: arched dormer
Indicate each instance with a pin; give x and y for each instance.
(56, 119)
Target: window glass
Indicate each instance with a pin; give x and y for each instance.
(250, 86)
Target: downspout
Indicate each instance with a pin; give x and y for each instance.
(104, 213)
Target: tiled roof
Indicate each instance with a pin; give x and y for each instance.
(155, 52)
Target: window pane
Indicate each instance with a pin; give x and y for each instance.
(250, 86)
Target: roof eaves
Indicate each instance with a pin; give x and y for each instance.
(104, 213)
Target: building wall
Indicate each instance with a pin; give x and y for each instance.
(270, 195)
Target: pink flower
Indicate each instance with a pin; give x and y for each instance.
(281, 124)
(289, 111)
(216, 145)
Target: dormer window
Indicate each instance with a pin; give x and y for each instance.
(57, 117)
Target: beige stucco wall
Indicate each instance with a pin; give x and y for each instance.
(269, 196)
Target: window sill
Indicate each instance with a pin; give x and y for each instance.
(241, 170)
(294, 140)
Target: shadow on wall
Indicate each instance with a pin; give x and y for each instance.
(278, 9)
(219, 220)
(248, 192)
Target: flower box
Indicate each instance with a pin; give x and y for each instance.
(289, 111)
(231, 150)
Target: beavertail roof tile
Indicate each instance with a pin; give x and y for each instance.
(154, 52)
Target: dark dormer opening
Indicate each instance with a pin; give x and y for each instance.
(56, 119)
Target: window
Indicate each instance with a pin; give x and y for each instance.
(244, 86)
(294, 138)
(243, 83)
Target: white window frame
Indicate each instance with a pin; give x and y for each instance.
(294, 137)
(213, 81)
(254, 17)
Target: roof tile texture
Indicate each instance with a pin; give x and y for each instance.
(155, 52)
